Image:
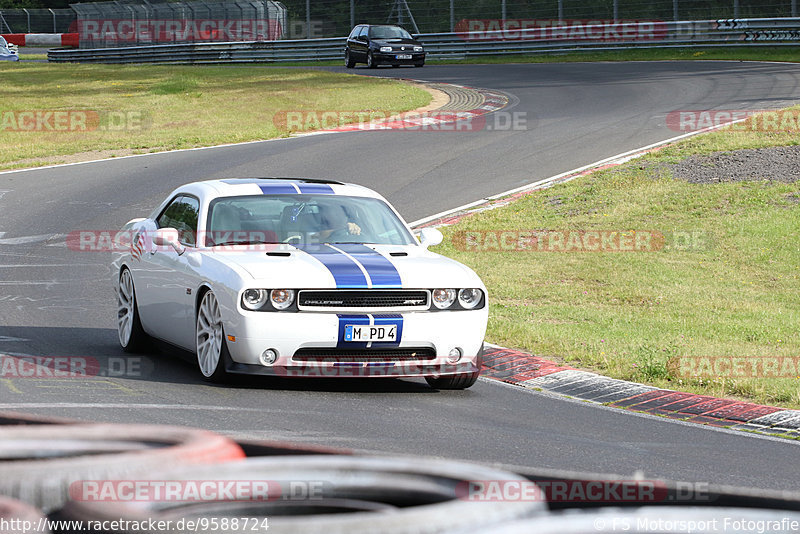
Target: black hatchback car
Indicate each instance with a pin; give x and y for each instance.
(376, 44)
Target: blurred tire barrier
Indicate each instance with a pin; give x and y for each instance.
(331, 494)
(649, 519)
(39, 462)
(14, 418)
(11, 510)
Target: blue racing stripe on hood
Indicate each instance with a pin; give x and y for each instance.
(381, 271)
(344, 270)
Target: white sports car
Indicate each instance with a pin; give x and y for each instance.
(298, 277)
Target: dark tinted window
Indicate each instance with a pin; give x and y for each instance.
(182, 214)
(388, 32)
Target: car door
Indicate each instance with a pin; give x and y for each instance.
(352, 42)
(362, 43)
(168, 306)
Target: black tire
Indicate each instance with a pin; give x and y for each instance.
(371, 61)
(419, 64)
(348, 61)
(211, 357)
(137, 339)
(48, 459)
(360, 494)
(459, 381)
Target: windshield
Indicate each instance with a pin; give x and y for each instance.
(303, 219)
(388, 32)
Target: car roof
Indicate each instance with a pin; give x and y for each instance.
(252, 186)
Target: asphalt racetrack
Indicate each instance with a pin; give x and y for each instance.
(59, 302)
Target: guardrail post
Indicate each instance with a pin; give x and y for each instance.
(54, 20)
(453, 16)
(736, 9)
(352, 13)
(560, 9)
(503, 12)
(675, 10)
(616, 10)
(794, 8)
(308, 19)
(29, 20)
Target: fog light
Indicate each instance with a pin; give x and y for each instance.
(454, 355)
(269, 356)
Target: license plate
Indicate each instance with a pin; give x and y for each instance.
(362, 333)
(404, 56)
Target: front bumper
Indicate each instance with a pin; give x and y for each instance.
(431, 334)
(385, 58)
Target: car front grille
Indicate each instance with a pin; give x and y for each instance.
(363, 299)
(364, 355)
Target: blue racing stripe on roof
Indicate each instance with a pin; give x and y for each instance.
(318, 189)
(278, 189)
(381, 271)
(344, 270)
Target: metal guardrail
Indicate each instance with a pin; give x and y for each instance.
(553, 38)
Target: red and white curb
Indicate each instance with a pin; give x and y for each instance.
(42, 39)
(531, 372)
(441, 119)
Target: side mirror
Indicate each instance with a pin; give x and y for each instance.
(168, 237)
(429, 237)
(363, 38)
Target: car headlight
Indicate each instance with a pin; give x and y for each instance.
(469, 298)
(386, 49)
(417, 49)
(254, 299)
(443, 298)
(281, 298)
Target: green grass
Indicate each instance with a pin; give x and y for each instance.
(172, 107)
(629, 315)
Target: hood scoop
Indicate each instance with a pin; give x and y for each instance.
(279, 254)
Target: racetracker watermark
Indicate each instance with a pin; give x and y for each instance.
(743, 120)
(583, 491)
(137, 242)
(424, 121)
(195, 490)
(43, 367)
(735, 367)
(566, 30)
(332, 367)
(178, 30)
(579, 240)
(43, 120)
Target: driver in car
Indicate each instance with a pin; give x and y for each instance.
(337, 227)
